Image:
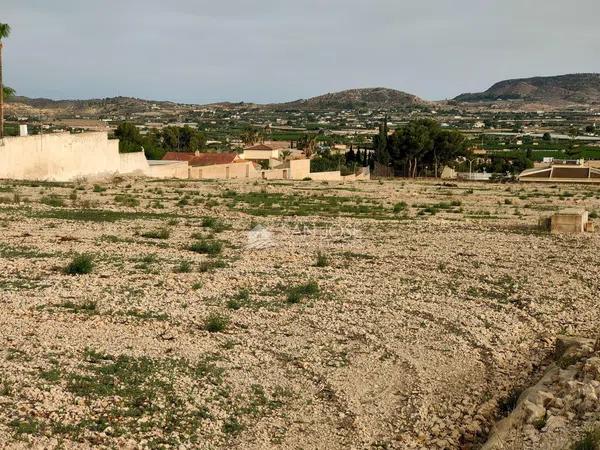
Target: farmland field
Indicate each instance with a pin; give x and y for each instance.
(395, 314)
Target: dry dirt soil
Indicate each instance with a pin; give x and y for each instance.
(296, 315)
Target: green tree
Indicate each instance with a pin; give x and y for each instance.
(547, 137)
(325, 161)
(448, 146)
(380, 144)
(153, 147)
(529, 153)
(350, 156)
(250, 136)
(8, 92)
(308, 144)
(573, 132)
(197, 142)
(171, 139)
(130, 139)
(157, 142)
(285, 154)
(4, 33)
(424, 143)
(191, 139)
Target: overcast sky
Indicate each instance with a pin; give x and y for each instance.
(200, 51)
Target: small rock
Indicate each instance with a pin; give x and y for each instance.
(533, 412)
(588, 393)
(542, 398)
(555, 423)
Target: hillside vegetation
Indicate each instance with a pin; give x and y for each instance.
(354, 99)
(574, 88)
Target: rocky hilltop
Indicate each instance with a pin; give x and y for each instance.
(371, 98)
(575, 88)
(25, 106)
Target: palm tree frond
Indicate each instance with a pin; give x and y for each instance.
(4, 30)
(8, 92)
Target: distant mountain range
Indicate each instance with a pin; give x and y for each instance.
(583, 88)
(371, 98)
(552, 91)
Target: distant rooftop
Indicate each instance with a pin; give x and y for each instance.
(562, 172)
(202, 159)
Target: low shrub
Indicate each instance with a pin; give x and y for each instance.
(184, 267)
(216, 323)
(307, 290)
(591, 441)
(162, 233)
(127, 200)
(239, 300)
(322, 260)
(53, 200)
(80, 265)
(214, 224)
(207, 247)
(399, 207)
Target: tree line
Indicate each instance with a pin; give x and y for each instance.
(158, 142)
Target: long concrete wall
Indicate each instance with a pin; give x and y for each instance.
(174, 169)
(67, 157)
(59, 156)
(258, 155)
(326, 176)
(224, 171)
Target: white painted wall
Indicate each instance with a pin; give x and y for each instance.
(326, 176)
(258, 155)
(134, 163)
(66, 157)
(58, 156)
(173, 169)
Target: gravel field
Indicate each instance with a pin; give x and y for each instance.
(297, 315)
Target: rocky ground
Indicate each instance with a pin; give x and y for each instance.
(561, 411)
(281, 314)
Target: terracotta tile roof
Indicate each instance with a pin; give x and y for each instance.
(260, 147)
(202, 159)
(211, 159)
(178, 156)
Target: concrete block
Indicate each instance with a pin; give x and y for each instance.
(570, 221)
